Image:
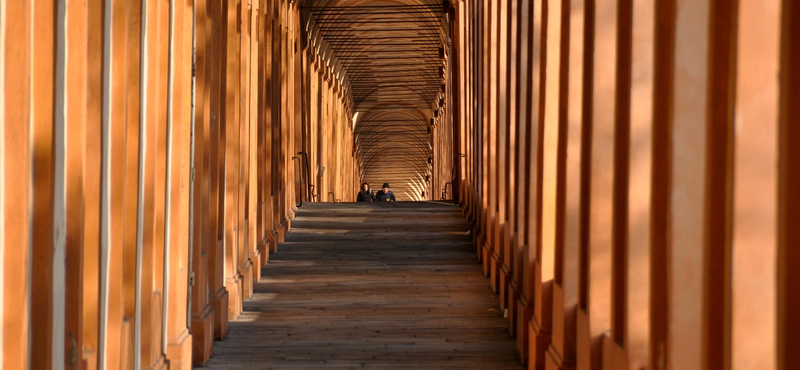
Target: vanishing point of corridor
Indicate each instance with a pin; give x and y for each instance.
(374, 286)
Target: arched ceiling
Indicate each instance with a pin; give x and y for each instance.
(390, 57)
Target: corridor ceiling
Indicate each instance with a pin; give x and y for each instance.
(392, 54)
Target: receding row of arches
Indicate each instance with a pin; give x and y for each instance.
(394, 59)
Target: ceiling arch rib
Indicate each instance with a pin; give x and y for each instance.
(392, 55)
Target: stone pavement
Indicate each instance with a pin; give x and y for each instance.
(378, 286)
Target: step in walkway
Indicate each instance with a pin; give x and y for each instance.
(376, 286)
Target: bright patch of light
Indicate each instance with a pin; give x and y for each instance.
(355, 119)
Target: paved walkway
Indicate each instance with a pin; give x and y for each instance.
(377, 286)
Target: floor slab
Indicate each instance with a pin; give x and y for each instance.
(379, 286)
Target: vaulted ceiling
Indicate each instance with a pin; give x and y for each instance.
(392, 54)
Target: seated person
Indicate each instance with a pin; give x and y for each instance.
(365, 195)
(385, 195)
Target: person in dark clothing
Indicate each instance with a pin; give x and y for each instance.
(365, 195)
(385, 195)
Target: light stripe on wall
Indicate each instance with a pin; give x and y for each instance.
(105, 200)
(137, 333)
(170, 165)
(59, 198)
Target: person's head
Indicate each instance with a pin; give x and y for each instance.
(365, 186)
(385, 187)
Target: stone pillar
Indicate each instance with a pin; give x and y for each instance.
(502, 238)
(562, 352)
(232, 171)
(219, 296)
(532, 234)
(521, 185)
(178, 171)
(15, 164)
(789, 182)
(202, 321)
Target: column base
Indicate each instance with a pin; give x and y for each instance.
(477, 242)
(219, 302)
(539, 343)
(614, 357)
(202, 336)
(553, 361)
(89, 360)
(507, 263)
(282, 232)
(272, 239)
(498, 254)
(525, 312)
(505, 285)
(263, 253)
(179, 352)
(513, 307)
(246, 278)
(494, 273)
(488, 244)
(486, 258)
(558, 356)
(126, 352)
(160, 364)
(234, 287)
(255, 261)
(589, 349)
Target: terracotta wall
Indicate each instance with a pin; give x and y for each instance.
(628, 178)
(143, 185)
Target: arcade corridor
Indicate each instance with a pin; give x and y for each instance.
(626, 173)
